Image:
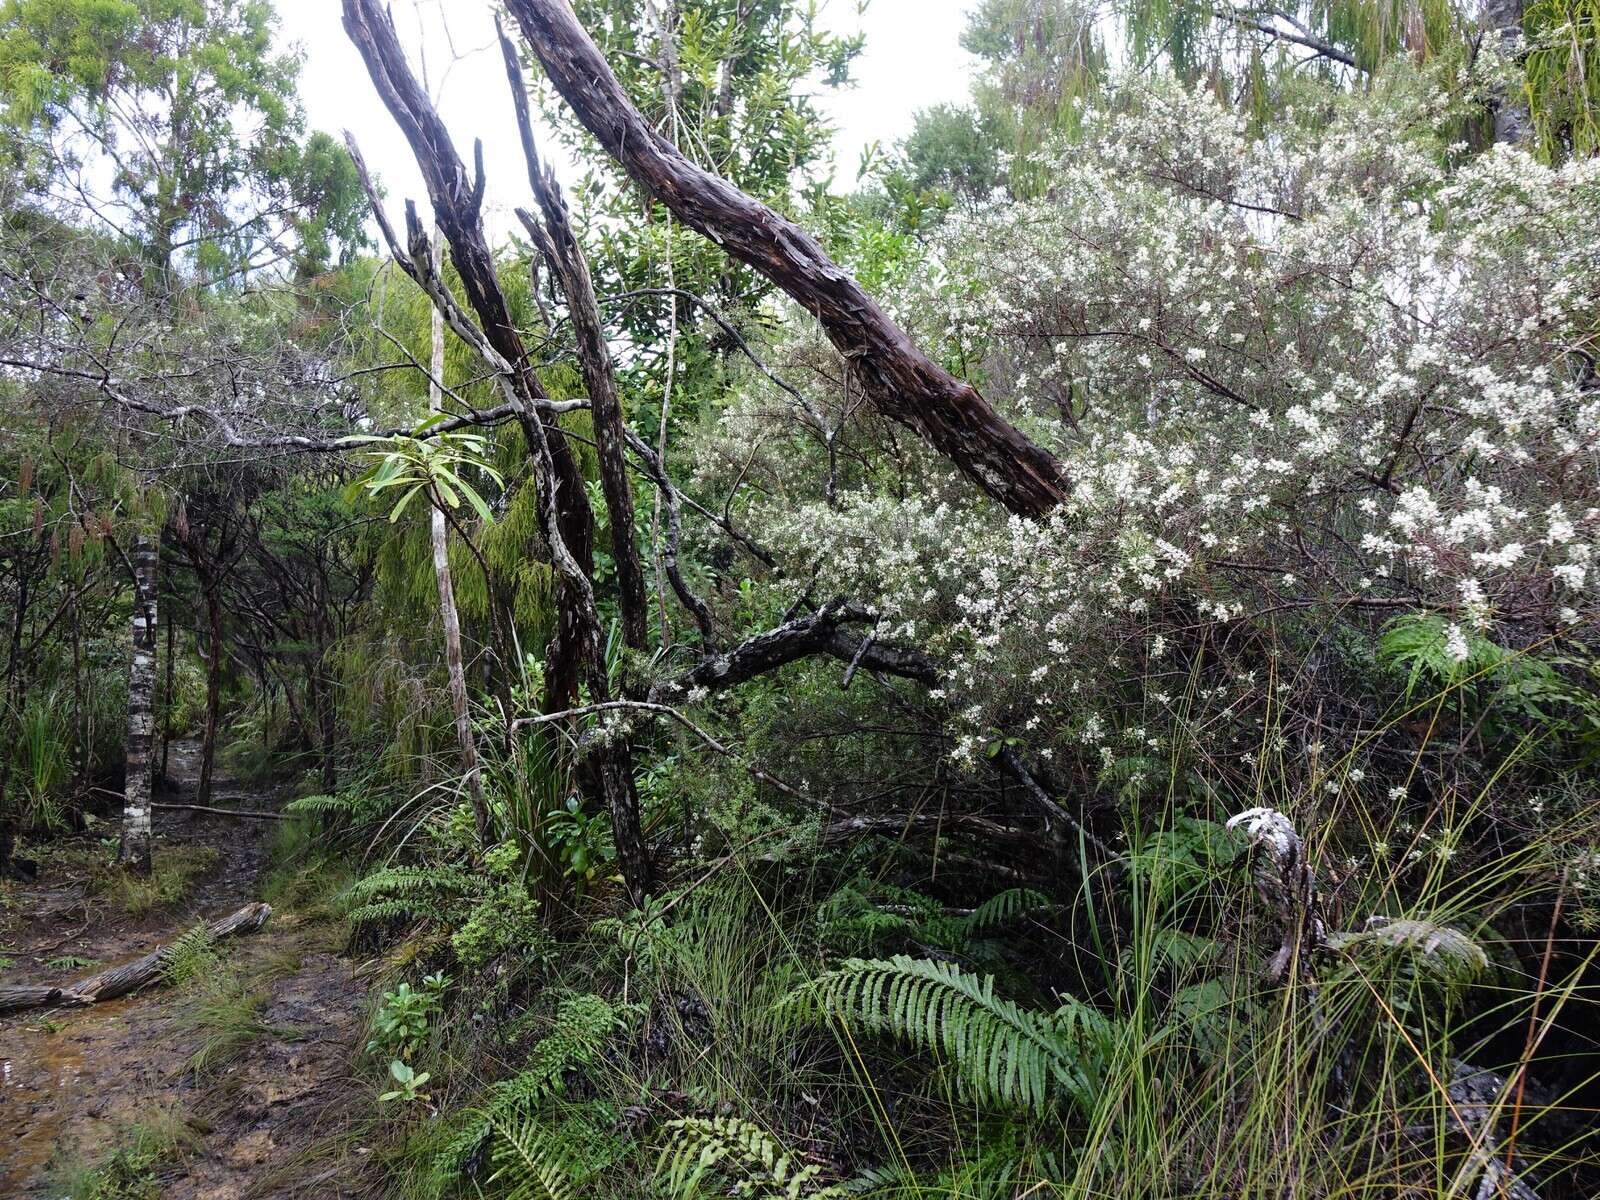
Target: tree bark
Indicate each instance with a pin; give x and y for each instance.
(559, 246)
(136, 832)
(449, 615)
(900, 380)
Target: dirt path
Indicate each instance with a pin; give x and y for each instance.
(243, 1094)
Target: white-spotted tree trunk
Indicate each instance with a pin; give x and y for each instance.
(136, 833)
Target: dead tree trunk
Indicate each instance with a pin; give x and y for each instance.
(564, 514)
(900, 380)
(558, 244)
(136, 832)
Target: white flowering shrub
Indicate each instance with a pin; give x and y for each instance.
(1308, 388)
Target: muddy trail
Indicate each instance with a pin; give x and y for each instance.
(234, 1084)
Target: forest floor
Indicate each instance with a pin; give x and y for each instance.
(234, 1085)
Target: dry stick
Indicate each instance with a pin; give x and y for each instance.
(1534, 1038)
(129, 977)
(247, 813)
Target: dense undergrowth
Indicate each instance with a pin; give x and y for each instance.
(887, 1018)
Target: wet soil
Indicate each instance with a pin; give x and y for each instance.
(74, 1082)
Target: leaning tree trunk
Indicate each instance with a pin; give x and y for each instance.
(449, 615)
(900, 380)
(136, 833)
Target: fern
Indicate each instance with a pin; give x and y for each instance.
(743, 1153)
(1001, 1052)
(401, 892)
(321, 806)
(583, 1025)
(536, 1161)
(1004, 908)
(1175, 950)
(189, 956)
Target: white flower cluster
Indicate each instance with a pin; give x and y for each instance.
(1337, 372)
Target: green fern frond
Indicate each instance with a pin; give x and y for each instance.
(742, 1152)
(189, 955)
(395, 910)
(1202, 1015)
(1175, 950)
(1001, 1052)
(581, 1028)
(399, 881)
(535, 1162)
(1005, 908)
(320, 806)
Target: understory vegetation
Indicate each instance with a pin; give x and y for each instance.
(1063, 665)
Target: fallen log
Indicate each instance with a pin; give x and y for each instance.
(130, 976)
(249, 814)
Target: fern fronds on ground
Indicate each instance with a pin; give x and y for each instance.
(1002, 1052)
(755, 1165)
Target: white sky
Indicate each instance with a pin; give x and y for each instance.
(913, 59)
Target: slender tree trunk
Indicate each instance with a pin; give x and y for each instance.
(166, 699)
(449, 615)
(136, 831)
(208, 739)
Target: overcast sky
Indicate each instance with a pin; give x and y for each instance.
(912, 60)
